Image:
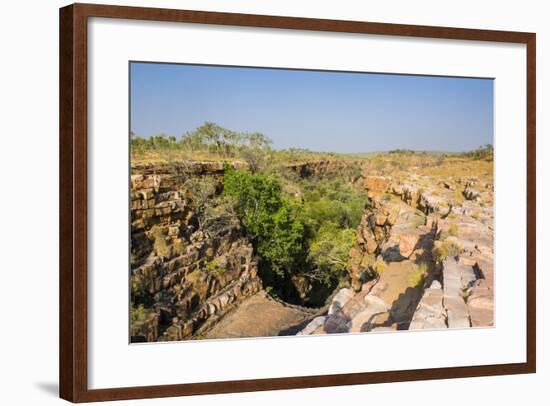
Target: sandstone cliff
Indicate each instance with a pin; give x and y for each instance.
(182, 275)
(424, 259)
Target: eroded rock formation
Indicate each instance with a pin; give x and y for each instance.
(436, 247)
(181, 274)
(423, 260)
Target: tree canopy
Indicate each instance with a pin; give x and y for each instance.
(269, 217)
(209, 137)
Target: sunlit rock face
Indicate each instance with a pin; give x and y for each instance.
(423, 258)
(181, 274)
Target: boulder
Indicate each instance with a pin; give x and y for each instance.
(340, 300)
(408, 243)
(458, 315)
(313, 325)
(376, 184)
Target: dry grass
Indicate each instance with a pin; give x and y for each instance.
(444, 249)
(451, 231)
(379, 266)
(418, 274)
(159, 241)
(431, 165)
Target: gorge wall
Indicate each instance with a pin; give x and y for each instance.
(181, 275)
(431, 256)
(423, 258)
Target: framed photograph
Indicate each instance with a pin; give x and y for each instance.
(255, 202)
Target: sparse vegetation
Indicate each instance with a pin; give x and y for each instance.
(379, 266)
(450, 231)
(158, 235)
(137, 287)
(214, 267)
(419, 221)
(209, 140)
(485, 152)
(444, 249)
(418, 274)
(139, 313)
(178, 248)
(193, 277)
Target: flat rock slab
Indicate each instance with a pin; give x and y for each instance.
(430, 313)
(481, 310)
(458, 315)
(313, 326)
(259, 316)
(340, 300)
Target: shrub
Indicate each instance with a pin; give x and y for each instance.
(179, 248)
(194, 276)
(484, 152)
(379, 266)
(139, 313)
(137, 287)
(256, 158)
(419, 221)
(446, 249)
(271, 292)
(159, 241)
(402, 152)
(219, 216)
(201, 190)
(214, 267)
(418, 275)
(451, 231)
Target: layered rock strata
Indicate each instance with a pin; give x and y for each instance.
(180, 274)
(423, 259)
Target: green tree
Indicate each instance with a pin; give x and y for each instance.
(329, 252)
(269, 218)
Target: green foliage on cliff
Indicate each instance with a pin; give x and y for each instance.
(331, 212)
(329, 251)
(332, 201)
(311, 235)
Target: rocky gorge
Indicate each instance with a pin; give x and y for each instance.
(422, 257)
(437, 254)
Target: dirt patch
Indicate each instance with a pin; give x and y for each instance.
(259, 316)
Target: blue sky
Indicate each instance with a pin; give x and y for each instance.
(320, 111)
